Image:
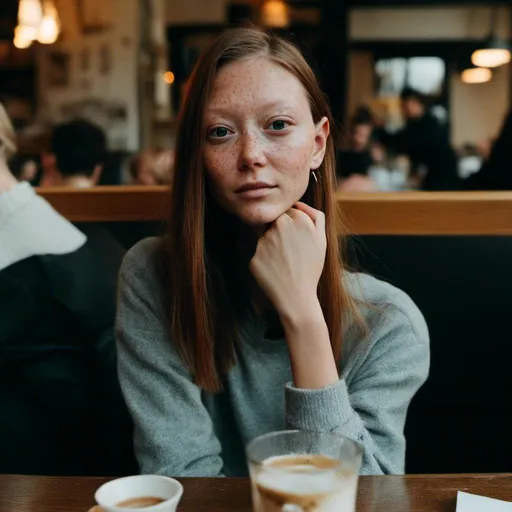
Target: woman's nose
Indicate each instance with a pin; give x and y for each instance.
(252, 152)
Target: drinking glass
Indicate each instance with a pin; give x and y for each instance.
(302, 471)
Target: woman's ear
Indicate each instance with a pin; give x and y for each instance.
(322, 130)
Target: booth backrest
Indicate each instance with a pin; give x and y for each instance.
(452, 253)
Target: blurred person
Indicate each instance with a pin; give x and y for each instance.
(483, 148)
(25, 168)
(425, 141)
(57, 354)
(360, 166)
(152, 167)
(496, 171)
(77, 155)
(356, 157)
(470, 160)
(243, 319)
(357, 183)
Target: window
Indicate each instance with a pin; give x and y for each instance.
(425, 74)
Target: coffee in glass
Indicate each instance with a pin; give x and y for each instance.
(298, 471)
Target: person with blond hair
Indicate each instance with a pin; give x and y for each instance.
(8, 149)
(57, 296)
(152, 167)
(244, 319)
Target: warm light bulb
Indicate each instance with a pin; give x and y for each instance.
(21, 44)
(23, 36)
(275, 13)
(49, 29)
(476, 75)
(169, 77)
(30, 13)
(491, 58)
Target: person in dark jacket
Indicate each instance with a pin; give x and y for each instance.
(62, 411)
(425, 141)
(77, 157)
(496, 172)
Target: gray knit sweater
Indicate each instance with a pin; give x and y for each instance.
(181, 430)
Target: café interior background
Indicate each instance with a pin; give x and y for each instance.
(123, 63)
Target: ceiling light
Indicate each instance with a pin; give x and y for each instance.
(476, 75)
(30, 13)
(49, 29)
(169, 77)
(24, 36)
(275, 13)
(495, 52)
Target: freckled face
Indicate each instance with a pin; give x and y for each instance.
(261, 140)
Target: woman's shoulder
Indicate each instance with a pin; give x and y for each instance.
(144, 255)
(142, 267)
(387, 310)
(142, 283)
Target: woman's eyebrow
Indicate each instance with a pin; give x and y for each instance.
(283, 104)
(226, 112)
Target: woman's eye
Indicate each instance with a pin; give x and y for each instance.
(219, 132)
(279, 124)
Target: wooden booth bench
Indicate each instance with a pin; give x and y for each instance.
(403, 213)
(452, 253)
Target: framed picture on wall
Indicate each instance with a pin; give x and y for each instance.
(58, 69)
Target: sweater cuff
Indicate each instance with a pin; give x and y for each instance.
(324, 410)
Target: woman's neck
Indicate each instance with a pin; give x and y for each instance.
(228, 231)
(78, 181)
(247, 243)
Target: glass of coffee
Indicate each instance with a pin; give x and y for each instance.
(302, 471)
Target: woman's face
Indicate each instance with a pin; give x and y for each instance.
(261, 140)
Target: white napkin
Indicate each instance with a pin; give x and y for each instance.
(472, 503)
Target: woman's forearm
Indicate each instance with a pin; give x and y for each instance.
(309, 346)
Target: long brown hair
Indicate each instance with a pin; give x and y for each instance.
(203, 300)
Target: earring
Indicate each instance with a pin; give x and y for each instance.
(314, 176)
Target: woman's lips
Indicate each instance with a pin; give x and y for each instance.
(255, 190)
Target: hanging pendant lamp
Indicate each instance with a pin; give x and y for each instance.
(495, 51)
(476, 75)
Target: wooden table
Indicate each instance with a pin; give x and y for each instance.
(414, 493)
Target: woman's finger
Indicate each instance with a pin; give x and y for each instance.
(316, 216)
(293, 213)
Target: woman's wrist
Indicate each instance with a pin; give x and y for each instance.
(297, 315)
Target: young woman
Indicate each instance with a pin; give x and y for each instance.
(242, 319)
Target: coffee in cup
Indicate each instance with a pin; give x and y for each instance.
(300, 471)
(142, 502)
(153, 493)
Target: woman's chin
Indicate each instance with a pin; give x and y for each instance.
(259, 217)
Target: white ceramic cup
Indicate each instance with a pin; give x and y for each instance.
(122, 489)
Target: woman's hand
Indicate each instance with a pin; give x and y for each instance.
(289, 260)
(287, 265)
